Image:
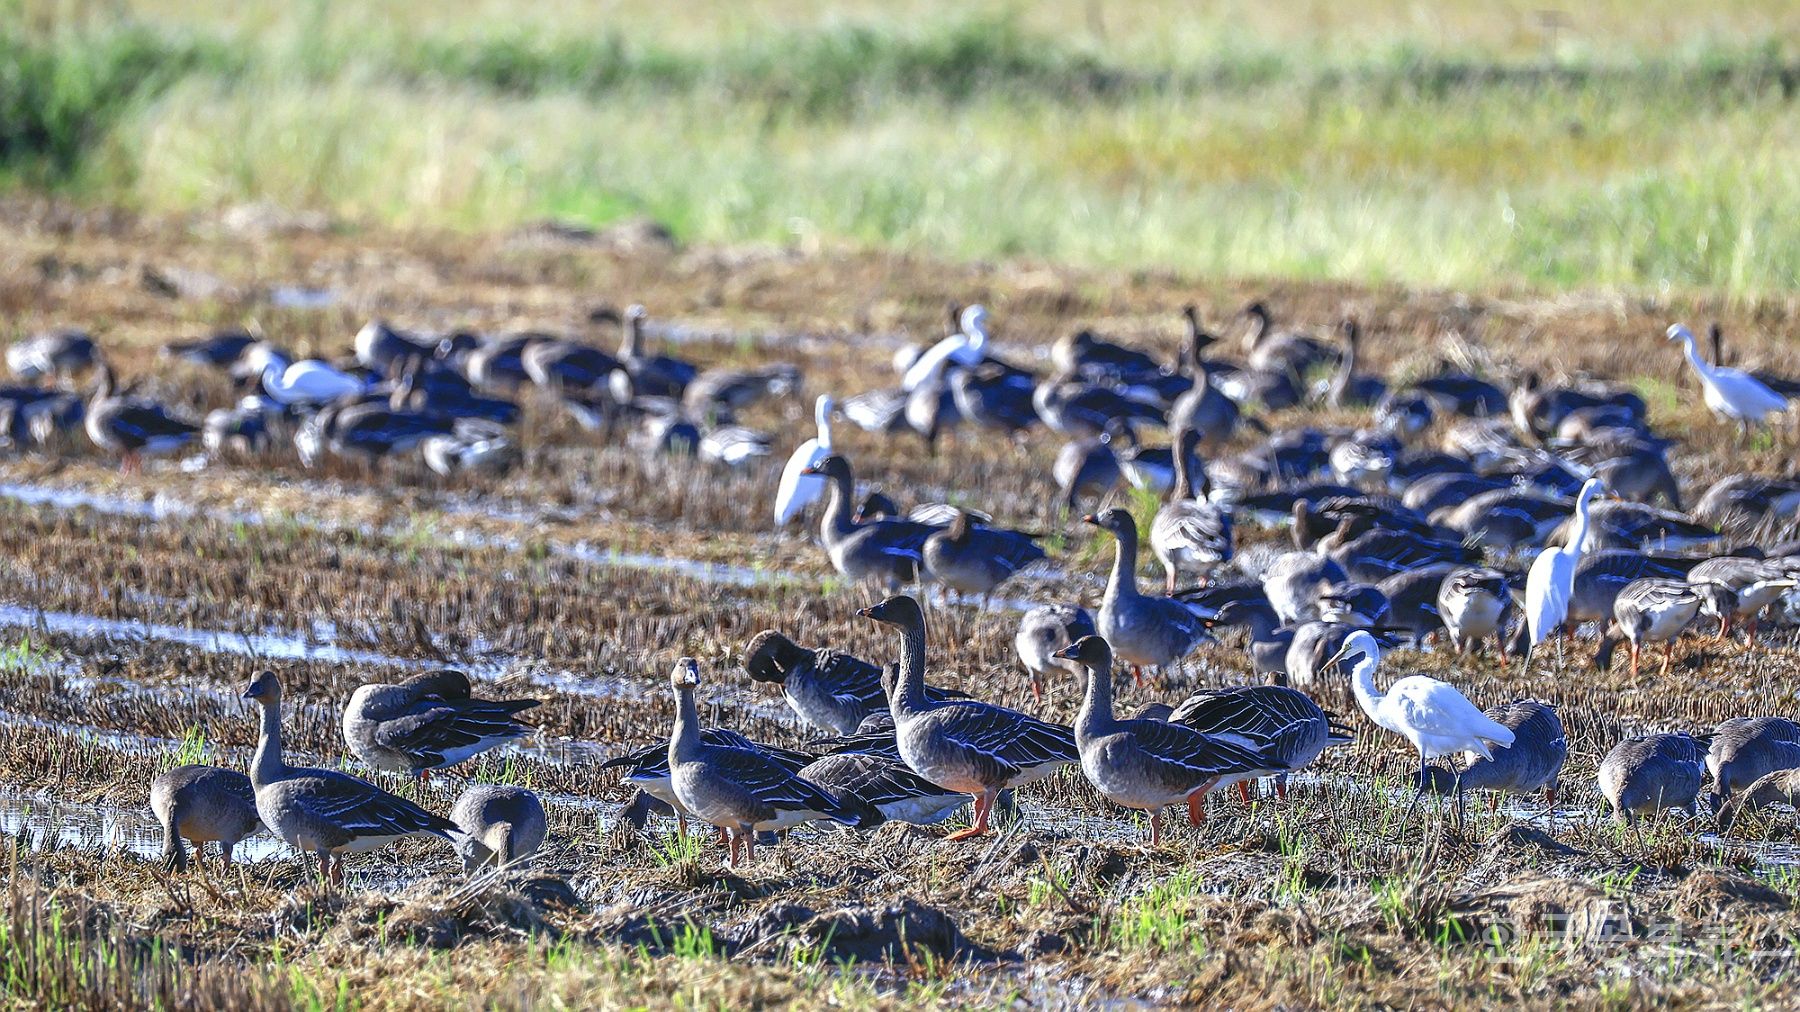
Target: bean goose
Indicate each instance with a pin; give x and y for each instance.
(651, 375)
(827, 688)
(975, 560)
(889, 552)
(130, 426)
(1043, 631)
(962, 745)
(1271, 720)
(502, 824)
(1142, 630)
(1744, 749)
(1149, 765)
(1655, 610)
(1473, 602)
(647, 768)
(323, 811)
(428, 722)
(202, 804)
(741, 791)
(885, 788)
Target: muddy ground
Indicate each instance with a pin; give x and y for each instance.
(135, 607)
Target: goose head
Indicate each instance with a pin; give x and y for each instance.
(899, 610)
(264, 688)
(1091, 652)
(1116, 520)
(685, 674)
(769, 656)
(834, 467)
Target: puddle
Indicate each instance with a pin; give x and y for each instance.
(43, 822)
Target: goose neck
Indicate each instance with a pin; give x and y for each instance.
(909, 688)
(266, 767)
(1096, 716)
(684, 740)
(1122, 584)
(838, 522)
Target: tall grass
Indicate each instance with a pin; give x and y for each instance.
(980, 136)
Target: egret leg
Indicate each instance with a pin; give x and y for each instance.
(1414, 803)
(1461, 799)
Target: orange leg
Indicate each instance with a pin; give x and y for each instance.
(1155, 826)
(984, 803)
(1668, 648)
(1137, 676)
(680, 822)
(1634, 660)
(1244, 791)
(1281, 787)
(1197, 807)
(1500, 648)
(750, 846)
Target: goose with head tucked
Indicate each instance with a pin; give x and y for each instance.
(430, 721)
(827, 688)
(963, 745)
(502, 825)
(1274, 721)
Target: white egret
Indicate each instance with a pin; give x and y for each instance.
(308, 381)
(1432, 715)
(967, 348)
(1730, 393)
(799, 490)
(1552, 578)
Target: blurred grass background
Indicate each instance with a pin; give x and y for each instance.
(1642, 145)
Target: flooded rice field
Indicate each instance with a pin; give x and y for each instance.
(136, 604)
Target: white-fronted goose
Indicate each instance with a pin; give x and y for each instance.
(1644, 775)
(323, 811)
(1347, 387)
(428, 722)
(962, 745)
(647, 768)
(1189, 534)
(1780, 786)
(1043, 631)
(1280, 723)
(829, 689)
(1534, 759)
(1655, 610)
(1751, 585)
(503, 825)
(202, 804)
(1148, 765)
(741, 791)
(1142, 630)
(1270, 350)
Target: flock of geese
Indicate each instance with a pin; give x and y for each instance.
(1461, 511)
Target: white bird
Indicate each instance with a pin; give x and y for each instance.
(1552, 578)
(1730, 393)
(308, 381)
(966, 349)
(797, 489)
(1432, 715)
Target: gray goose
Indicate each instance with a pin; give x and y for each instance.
(202, 804)
(131, 427)
(1781, 785)
(1149, 765)
(1042, 632)
(741, 791)
(891, 552)
(1473, 602)
(647, 768)
(323, 811)
(971, 559)
(1744, 749)
(1655, 610)
(1272, 720)
(829, 689)
(1143, 631)
(1189, 534)
(885, 788)
(1752, 585)
(428, 722)
(651, 375)
(1534, 759)
(60, 353)
(1294, 582)
(1086, 467)
(963, 745)
(503, 824)
(1644, 775)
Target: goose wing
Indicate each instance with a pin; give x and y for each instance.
(362, 809)
(772, 783)
(435, 731)
(646, 758)
(1179, 747)
(1009, 737)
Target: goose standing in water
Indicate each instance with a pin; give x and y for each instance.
(202, 804)
(1730, 393)
(1432, 715)
(1551, 580)
(1534, 760)
(1143, 631)
(960, 744)
(323, 811)
(798, 489)
(741, 791)
(1149, 765)
(1189, 533)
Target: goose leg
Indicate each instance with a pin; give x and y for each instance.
(225, 852)
(680, 822)
(984, 802)
(1668, 648)
(1155, 826)
(1634, 660)
(1244, 791)
(1197, 808)
(1281, 786)
(1170, 582)
(750, 846)
(1500, 648)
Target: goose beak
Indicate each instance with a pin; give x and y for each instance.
(1091, 519)
(1067, 653)
(865, 612)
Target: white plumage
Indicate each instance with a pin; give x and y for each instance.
(1432, 715)
(965, 349)
(1552, 578)
(308, 381)
(1730, 393)
(797, 489)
